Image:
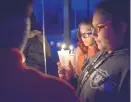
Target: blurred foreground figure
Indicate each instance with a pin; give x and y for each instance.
(17, 82)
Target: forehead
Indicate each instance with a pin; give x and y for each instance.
(84, 27)
(99, 18)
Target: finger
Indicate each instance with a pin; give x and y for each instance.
(70, 64)
(58, 63)
(61, 76)
(62, 71)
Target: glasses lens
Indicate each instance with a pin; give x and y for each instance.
(85, 35)
(89, 32)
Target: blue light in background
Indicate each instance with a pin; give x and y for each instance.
(54, 18)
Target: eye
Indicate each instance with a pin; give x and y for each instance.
(100, 27)
(89, 32)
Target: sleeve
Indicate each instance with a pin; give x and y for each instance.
(124, 95)
(67, 93)
(73, 81)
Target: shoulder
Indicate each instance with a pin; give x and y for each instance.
(51, 84)
(122, 59)
(78, 50)
(48, 78)
(91, 59)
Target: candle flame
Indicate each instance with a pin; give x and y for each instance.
(63, 46)
(71, 47)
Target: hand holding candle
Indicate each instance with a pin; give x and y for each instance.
(66, 55)
(67, 63)
(63, 56)
(71, 56)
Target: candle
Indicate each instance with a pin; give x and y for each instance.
(71, 49)
(66, 55)
(63, 47)
(63, 55)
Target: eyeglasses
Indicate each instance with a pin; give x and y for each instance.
(100, 27)
(95, 30)
(86, 35)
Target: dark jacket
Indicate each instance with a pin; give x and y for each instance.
(34, 52)
(109, 82)
(22, 84)
(34, 55)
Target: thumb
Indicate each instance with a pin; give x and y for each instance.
(71, 66)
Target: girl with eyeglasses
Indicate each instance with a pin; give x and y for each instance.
(87, 46)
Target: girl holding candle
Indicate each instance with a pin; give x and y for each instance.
(87, 46)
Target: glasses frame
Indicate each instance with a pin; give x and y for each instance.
(99, 28)
(86, 35)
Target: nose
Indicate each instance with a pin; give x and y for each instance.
(94, 35)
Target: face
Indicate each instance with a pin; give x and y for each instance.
(87, 40)
(105, 36)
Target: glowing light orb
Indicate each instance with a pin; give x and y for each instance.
(58, 44)
(52, 43)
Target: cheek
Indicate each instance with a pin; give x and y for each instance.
(104, 36)
(83, 39)
(110, 36)
(88, 41)
(91, 40)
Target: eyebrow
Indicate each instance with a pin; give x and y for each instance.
(102, 22)
(98, 24)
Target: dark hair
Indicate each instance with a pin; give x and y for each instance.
(11, 8)
(117, 11)
(12, 22)
(80, 43)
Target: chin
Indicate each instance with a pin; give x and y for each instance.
(86, 44)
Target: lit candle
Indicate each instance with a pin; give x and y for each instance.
(71, 49)
(63, 46)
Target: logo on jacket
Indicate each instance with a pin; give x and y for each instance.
(98, 78)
